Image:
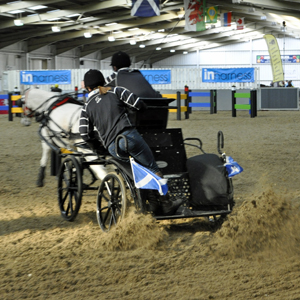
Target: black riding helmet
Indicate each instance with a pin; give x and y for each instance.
(120, 60)
(93, 78)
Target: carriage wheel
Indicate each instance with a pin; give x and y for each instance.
(111, 201)
(69, 188)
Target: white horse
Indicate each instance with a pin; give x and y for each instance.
(59, 119)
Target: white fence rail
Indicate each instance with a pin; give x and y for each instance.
(179, 78)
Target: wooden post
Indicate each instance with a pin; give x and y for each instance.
(10, 115)
(178, 106)
(213, 101)
(233, 101)
(187, 101)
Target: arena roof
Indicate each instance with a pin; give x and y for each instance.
(112, 19)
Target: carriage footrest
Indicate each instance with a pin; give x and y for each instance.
(185, 212)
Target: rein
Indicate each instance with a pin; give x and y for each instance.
(45, 117)
(33, 111)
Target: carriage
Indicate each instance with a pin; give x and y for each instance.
(201, 181)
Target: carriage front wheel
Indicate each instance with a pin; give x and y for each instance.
(69, 188)
(111, 201)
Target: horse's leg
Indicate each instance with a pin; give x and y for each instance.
(43, 163)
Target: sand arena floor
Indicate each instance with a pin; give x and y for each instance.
(254, 255)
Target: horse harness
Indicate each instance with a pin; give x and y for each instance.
(44, 117)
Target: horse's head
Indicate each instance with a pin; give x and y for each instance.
(34, 101)
(27, 107)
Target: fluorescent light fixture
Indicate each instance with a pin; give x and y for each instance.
(160, 30)
(37, 7)
(87, 34)
(185, 52)
(17, 11)
(142, 46)
(117, 31)
(53, 19)
(73, 15)
(87, 18)
(55, 28)
(111, 24)
(111, 38)
(132, 42)
(132, 29)
(180, 14)
(52, 11)
(172, 50)
(158, 48)
(18, 22)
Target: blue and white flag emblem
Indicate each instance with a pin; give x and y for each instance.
(232, 167)
(145, 8)
(145, 179)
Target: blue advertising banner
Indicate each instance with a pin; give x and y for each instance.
(228, 75)
(157, 76)
(45, 77)
(265, 59)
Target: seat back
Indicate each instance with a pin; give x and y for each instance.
(168, 149)
(154, 117)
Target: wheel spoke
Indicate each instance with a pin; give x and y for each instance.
(106, 215)
(108, 187)
(112, 218)
(65, 196)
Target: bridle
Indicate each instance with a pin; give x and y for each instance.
(30, 113)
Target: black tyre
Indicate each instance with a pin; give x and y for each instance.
(111, 201)
(69, 188)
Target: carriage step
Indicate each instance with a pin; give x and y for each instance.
(184, 212)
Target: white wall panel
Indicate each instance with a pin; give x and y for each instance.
(185, 66)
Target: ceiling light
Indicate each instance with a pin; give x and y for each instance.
(18, 22)
(111, 38)
(180, 14)
(73, 15)
(132, 42)
(37, 7)
(158, 48)
(17, 11)
(87, 34)
(185, 52)
(53, 19)
(55, 28)
(172, 50)
(160, 30)
(110, 24)
(142, 46)
(134, 28)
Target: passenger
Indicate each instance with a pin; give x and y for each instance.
(106, 109)
(131, 79)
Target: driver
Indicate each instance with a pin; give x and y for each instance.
(106, 109)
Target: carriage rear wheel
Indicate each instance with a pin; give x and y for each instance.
(111, 201)
(69, 188)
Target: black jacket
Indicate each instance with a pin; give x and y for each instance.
(133, 80)
(108, 113)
